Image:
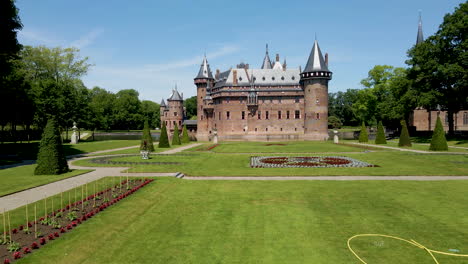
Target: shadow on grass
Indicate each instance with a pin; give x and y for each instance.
(16, 152)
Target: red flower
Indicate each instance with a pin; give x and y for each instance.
(42, 241)
(51, 236)
(69, 226)
(73, 223)
(6, 261)
(29, 225)
(26, 250)
(14, 230)
(62, 230)
(17, 255)
(34, 245)
(21, 227)
(56, 234)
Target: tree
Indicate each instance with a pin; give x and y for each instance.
(147, 139)
(163, 139)
(127, 110)
(185, 136)
(340, 105)
(334, 122)
(51, 158)
(363, 137)
(176, 136)
(101, 104)
(380, 138)
(190, 105)
(438, 141)
(439, 66)
(150, 110)
(10, 23)
(405, 140)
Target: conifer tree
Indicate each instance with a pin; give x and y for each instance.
(51, 158)
(175, 136)
(185, 136)
(405, 140)
(163, 139)
(363, 136)
(380, 138)
(147, 139)
(438, 141)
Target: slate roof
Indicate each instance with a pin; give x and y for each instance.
(163, 103)
(175, 96)
(420, 37)
(316, 63)
(262, 77)
(205, 71)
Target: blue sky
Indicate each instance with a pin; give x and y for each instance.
(151, 45)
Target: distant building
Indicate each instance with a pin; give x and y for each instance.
(425, 120)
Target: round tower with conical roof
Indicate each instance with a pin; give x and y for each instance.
(175, 110)
(204, 82)
(314, 82)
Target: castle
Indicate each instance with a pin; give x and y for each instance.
(270, 103)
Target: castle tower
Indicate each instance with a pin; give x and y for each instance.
(204, 81)
(314, 82)
(175, 110)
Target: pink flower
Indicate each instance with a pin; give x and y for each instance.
(17, 255)
(26, 250)
(34, 245)
(42, 241)
(6, 261)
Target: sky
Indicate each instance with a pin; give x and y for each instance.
(151, 45)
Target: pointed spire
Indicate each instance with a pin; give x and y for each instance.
(175, 95)
(163, 103)
(266, 61)
(205, 71)
(284, 64)
(316, 63)
(420, 37)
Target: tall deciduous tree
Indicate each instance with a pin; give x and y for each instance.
(190, 105)
(127, 109)
(439, 66)
(10, 23)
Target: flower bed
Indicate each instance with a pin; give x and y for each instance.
(306, 162)
(207, 148)
(55, 224)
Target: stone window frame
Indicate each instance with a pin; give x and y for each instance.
(243, 115)
(228, 115)
(297, 114)
(279, 114)
(259, 115)
(288, 115)
(267, 115)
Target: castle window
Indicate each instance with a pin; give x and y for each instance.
(293, 78)
(254, 78)
(228, 115)
(240, 78)
(287, 114)
(166, 113)
(243, 115)
(279, 100)
(281, 129)
(267, 115)
(259, 116)
(296, 100)
(255, 129)
(263, 78)
(175, 113)
(317, 101)
(180, 123)
(266, 129)
(318, 115)
(297, 114)
(173, 122)
(295, 129)
(282, 78)
(465, 118)
(272, 78)
(279, 114)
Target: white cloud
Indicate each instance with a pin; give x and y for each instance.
(36, 37)
(87, 39)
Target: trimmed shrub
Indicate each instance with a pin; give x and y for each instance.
(363, 136)
(438, 141)
(185, 136)
(380, 138)
(146, 139)
(405, 140)
(334, 122)
(163, 139)
(175, 136)
(51, 158)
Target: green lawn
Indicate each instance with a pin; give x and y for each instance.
(178, 221)
(28, 151)
(20, 178)
(281, 147)
(135, 150)
(423, 147)
(215, 164)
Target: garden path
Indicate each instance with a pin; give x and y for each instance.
(15, 200)
(333, 178)
(410, 150)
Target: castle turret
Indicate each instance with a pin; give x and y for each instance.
(266, 61)
(204, 81)
(163, 112)
(314, 82)
(175, 110)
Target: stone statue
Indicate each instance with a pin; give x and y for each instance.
(335, 137)
(215, 136)
(74, 137)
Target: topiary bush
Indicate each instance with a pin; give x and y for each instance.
(380, 138)
(438, 141)
(163, 139)
(175, 136)
(405, 140)
(185, 136)
(363, 136)
(51, 158)
(146, 138)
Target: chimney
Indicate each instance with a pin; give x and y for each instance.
(182, 95)
(277, 57)
(234, 77)
(217, 74)
(326, 59)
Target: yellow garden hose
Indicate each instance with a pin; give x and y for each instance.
(412, 242)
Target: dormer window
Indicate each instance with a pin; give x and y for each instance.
(282, 78)
(272, 78)
(240, 79)
(263, 78)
